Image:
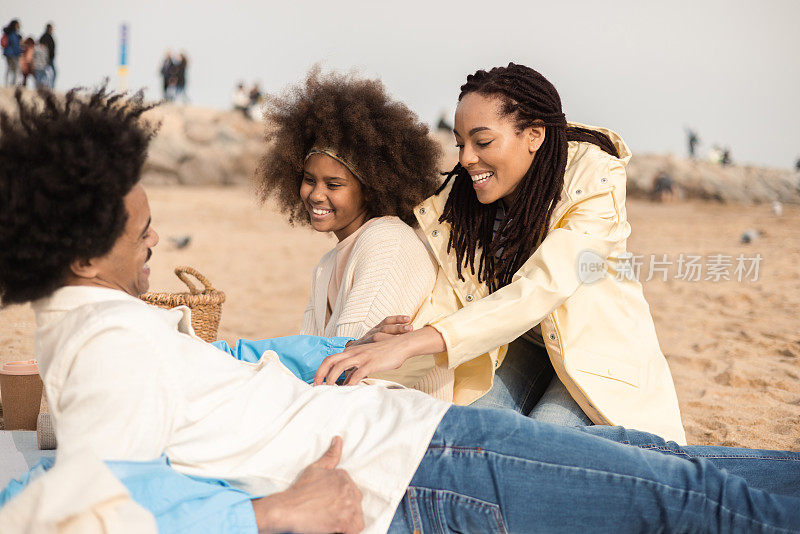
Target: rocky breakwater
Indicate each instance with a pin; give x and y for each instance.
(197, 146)
(711, 181)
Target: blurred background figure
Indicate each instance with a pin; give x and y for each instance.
(167, 66)
(179, 74)
(240, 99)
(751, 235)
(663, 187)
(692, 139)
(443, 123)
(47, 40)
(715, 155)
(41, 65)
(256, 97)
(725, 159)
(797, 165)
(26, 60)
(180, 241)
(12, 50)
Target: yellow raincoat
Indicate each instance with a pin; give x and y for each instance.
(599, 334)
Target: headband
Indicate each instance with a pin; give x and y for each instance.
(330, 153)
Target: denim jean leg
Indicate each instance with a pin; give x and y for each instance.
(558, 407)
(12, 70)
(783, 475)
(497, 471)
(521, 380)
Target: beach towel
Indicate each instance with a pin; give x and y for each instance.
(19, 452)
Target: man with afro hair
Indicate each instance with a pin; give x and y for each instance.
(65, 170)
(76, 234)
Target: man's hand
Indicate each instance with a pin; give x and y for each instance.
(383, 355)
(323, 499)
(390, 326)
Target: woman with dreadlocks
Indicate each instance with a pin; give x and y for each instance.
(530, 232)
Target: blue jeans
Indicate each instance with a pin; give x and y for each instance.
(497, 471)
(527, 384)
(785, 479)
(41, 78)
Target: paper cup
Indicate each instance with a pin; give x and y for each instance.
(21, 391)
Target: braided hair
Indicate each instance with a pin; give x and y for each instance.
(530, 100)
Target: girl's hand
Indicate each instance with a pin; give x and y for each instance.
(389, 353)
(390, 326)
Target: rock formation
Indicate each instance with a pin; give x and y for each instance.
(710, 181)
(198, 146)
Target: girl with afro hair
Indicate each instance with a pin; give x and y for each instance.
(343, 157)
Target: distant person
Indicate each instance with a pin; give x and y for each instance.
(241, 99)
(663, 187)
(180, 78)
(725, 159)
(255, 95)
(166, 73)
(797, 165)
(715, 155)
(12, 50)
(256, 98)
(41, 65)
(26, 60)
(47, 40)
(443, 124)
(692, 139)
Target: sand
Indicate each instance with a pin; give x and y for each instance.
(733, 346)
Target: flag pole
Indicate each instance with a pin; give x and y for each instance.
(122, 70)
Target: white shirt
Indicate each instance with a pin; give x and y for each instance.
(129, 381)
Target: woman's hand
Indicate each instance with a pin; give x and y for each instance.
(382, 355)
(390, 326)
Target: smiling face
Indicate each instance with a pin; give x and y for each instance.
(124, 267)
(495, 153)
(333, 197)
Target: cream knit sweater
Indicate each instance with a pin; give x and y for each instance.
(389, 272)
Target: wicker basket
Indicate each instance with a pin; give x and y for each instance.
(206, 305)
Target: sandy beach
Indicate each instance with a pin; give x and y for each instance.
(733, 346)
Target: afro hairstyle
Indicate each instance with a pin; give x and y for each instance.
(66, 163)
(396, 159)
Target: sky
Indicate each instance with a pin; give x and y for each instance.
(648, 70)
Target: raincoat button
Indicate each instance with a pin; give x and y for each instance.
(603, 180)
(435, 233)
(422, 210)
(470, 298)
(578, 191)
(552, 336)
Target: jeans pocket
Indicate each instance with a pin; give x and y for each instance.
(444, 512)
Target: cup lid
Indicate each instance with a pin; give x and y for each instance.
(26, 367)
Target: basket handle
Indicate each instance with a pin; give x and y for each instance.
(181, 273)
